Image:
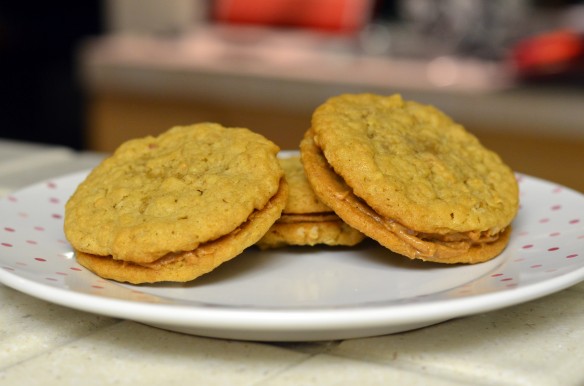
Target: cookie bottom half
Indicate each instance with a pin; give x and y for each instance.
(332, 232)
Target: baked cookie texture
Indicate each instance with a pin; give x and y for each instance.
(305, 219)
(176, 206)
(410, 177)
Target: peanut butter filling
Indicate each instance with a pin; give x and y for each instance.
(292, 218)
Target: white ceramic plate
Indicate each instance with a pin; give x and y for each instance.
(300, 294)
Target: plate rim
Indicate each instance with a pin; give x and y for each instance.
(277, 319)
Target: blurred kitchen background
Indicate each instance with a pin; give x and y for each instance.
(95, 73)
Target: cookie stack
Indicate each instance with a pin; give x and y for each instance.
(176, 206)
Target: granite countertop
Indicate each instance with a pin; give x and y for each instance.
(41, 343)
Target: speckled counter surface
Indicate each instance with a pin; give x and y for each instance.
(536, 343)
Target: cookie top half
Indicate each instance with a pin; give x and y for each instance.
(301, 199)
(156, 195)
(413, 164)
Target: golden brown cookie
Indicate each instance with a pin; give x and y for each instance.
(176, 206)
(409, 177)
(305, 219)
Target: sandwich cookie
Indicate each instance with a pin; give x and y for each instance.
(176, 206)
(305, 219)
(408, 176)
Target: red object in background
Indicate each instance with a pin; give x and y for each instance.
(550, 53)
(343, 16)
